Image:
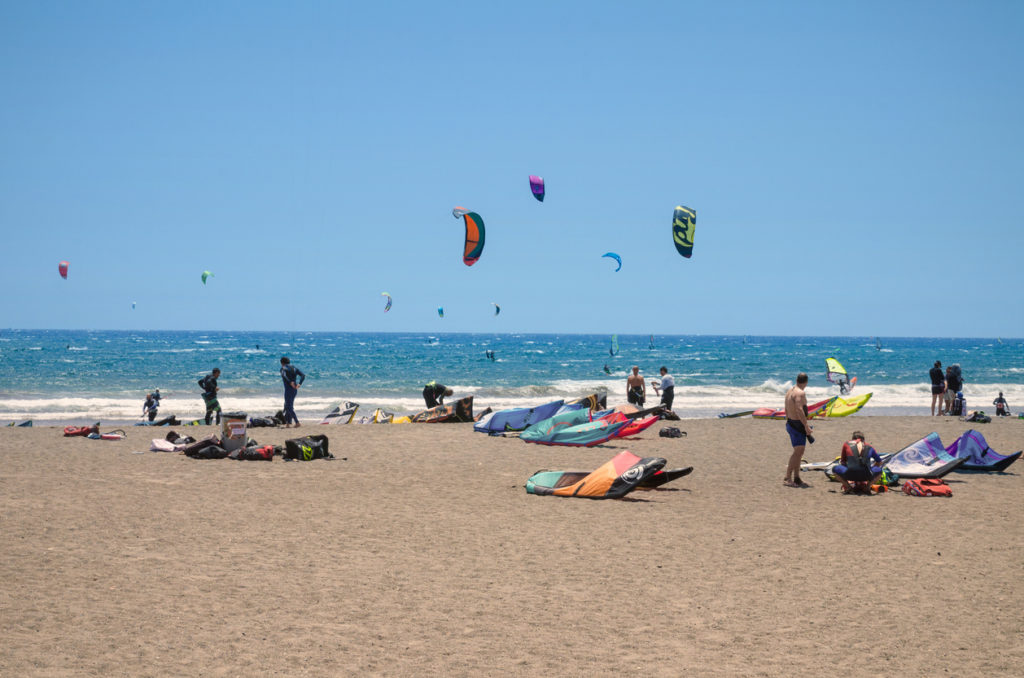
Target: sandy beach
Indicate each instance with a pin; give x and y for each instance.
(417, 552)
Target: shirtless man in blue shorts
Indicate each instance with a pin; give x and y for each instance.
(798, 428)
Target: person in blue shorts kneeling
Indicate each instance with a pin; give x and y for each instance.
(859, 466)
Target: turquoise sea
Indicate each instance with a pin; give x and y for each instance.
(76, 376)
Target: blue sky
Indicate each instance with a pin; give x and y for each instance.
(855, 167)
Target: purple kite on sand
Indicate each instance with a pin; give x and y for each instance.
(537, 186)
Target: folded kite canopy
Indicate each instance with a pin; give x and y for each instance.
(925, 458)
(517, 419)
(977, 455)
(615, 479)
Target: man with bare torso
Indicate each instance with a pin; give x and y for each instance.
(798, 428)
(636, 392)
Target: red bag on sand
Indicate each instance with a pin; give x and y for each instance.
(80, 430)
(927, 487)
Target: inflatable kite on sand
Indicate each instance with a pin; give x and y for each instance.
(924, 458)
(618, 477)
(977, 455)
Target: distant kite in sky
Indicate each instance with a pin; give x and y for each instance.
(440, 311)
(537, 186)
(206, 274)
(387, 306)
(616, 257)
(474, 245)
(133, 305)
(684, 223)
(63, 268)
(497, 309)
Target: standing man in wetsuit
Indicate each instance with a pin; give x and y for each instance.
(938, 386)
(434, 393)
(210, 388)
(151, 405)
(636, 391)
(293, 378)
(798, 428)
(667, 386)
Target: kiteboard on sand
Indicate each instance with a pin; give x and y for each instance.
(594, 401)
(342, 414)
(723, 415)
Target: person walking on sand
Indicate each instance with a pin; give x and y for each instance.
(293, 378)
(636, 390)
(151, 405)
(938, 387)
(210, 388)
(798, 428)
(667, 384)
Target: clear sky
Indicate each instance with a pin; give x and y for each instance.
(856, 167)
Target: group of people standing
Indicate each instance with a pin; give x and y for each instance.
(636, 389)
(946, 386)
(859, 464)
(291, 375)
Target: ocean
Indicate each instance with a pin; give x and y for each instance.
(78, 376)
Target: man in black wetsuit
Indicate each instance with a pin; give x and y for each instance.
(434, 393)
(210, 388)
(293, 378)
(151, 405)
(938, 386)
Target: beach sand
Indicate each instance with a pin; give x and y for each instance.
(420, 554)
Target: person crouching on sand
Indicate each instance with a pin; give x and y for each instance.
(860, 463)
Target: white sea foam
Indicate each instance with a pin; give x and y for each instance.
(690, 401)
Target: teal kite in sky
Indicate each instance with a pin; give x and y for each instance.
(616, 257)
(206, 274)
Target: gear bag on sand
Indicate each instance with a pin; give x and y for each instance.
(307, 448)
(927, 487)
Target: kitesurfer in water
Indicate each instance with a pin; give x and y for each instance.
(152, 403)
(293, 378)
(636, 390)
(434, 393)
(210, 388)
(606, 369)
(667, 384)
(798, 428)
